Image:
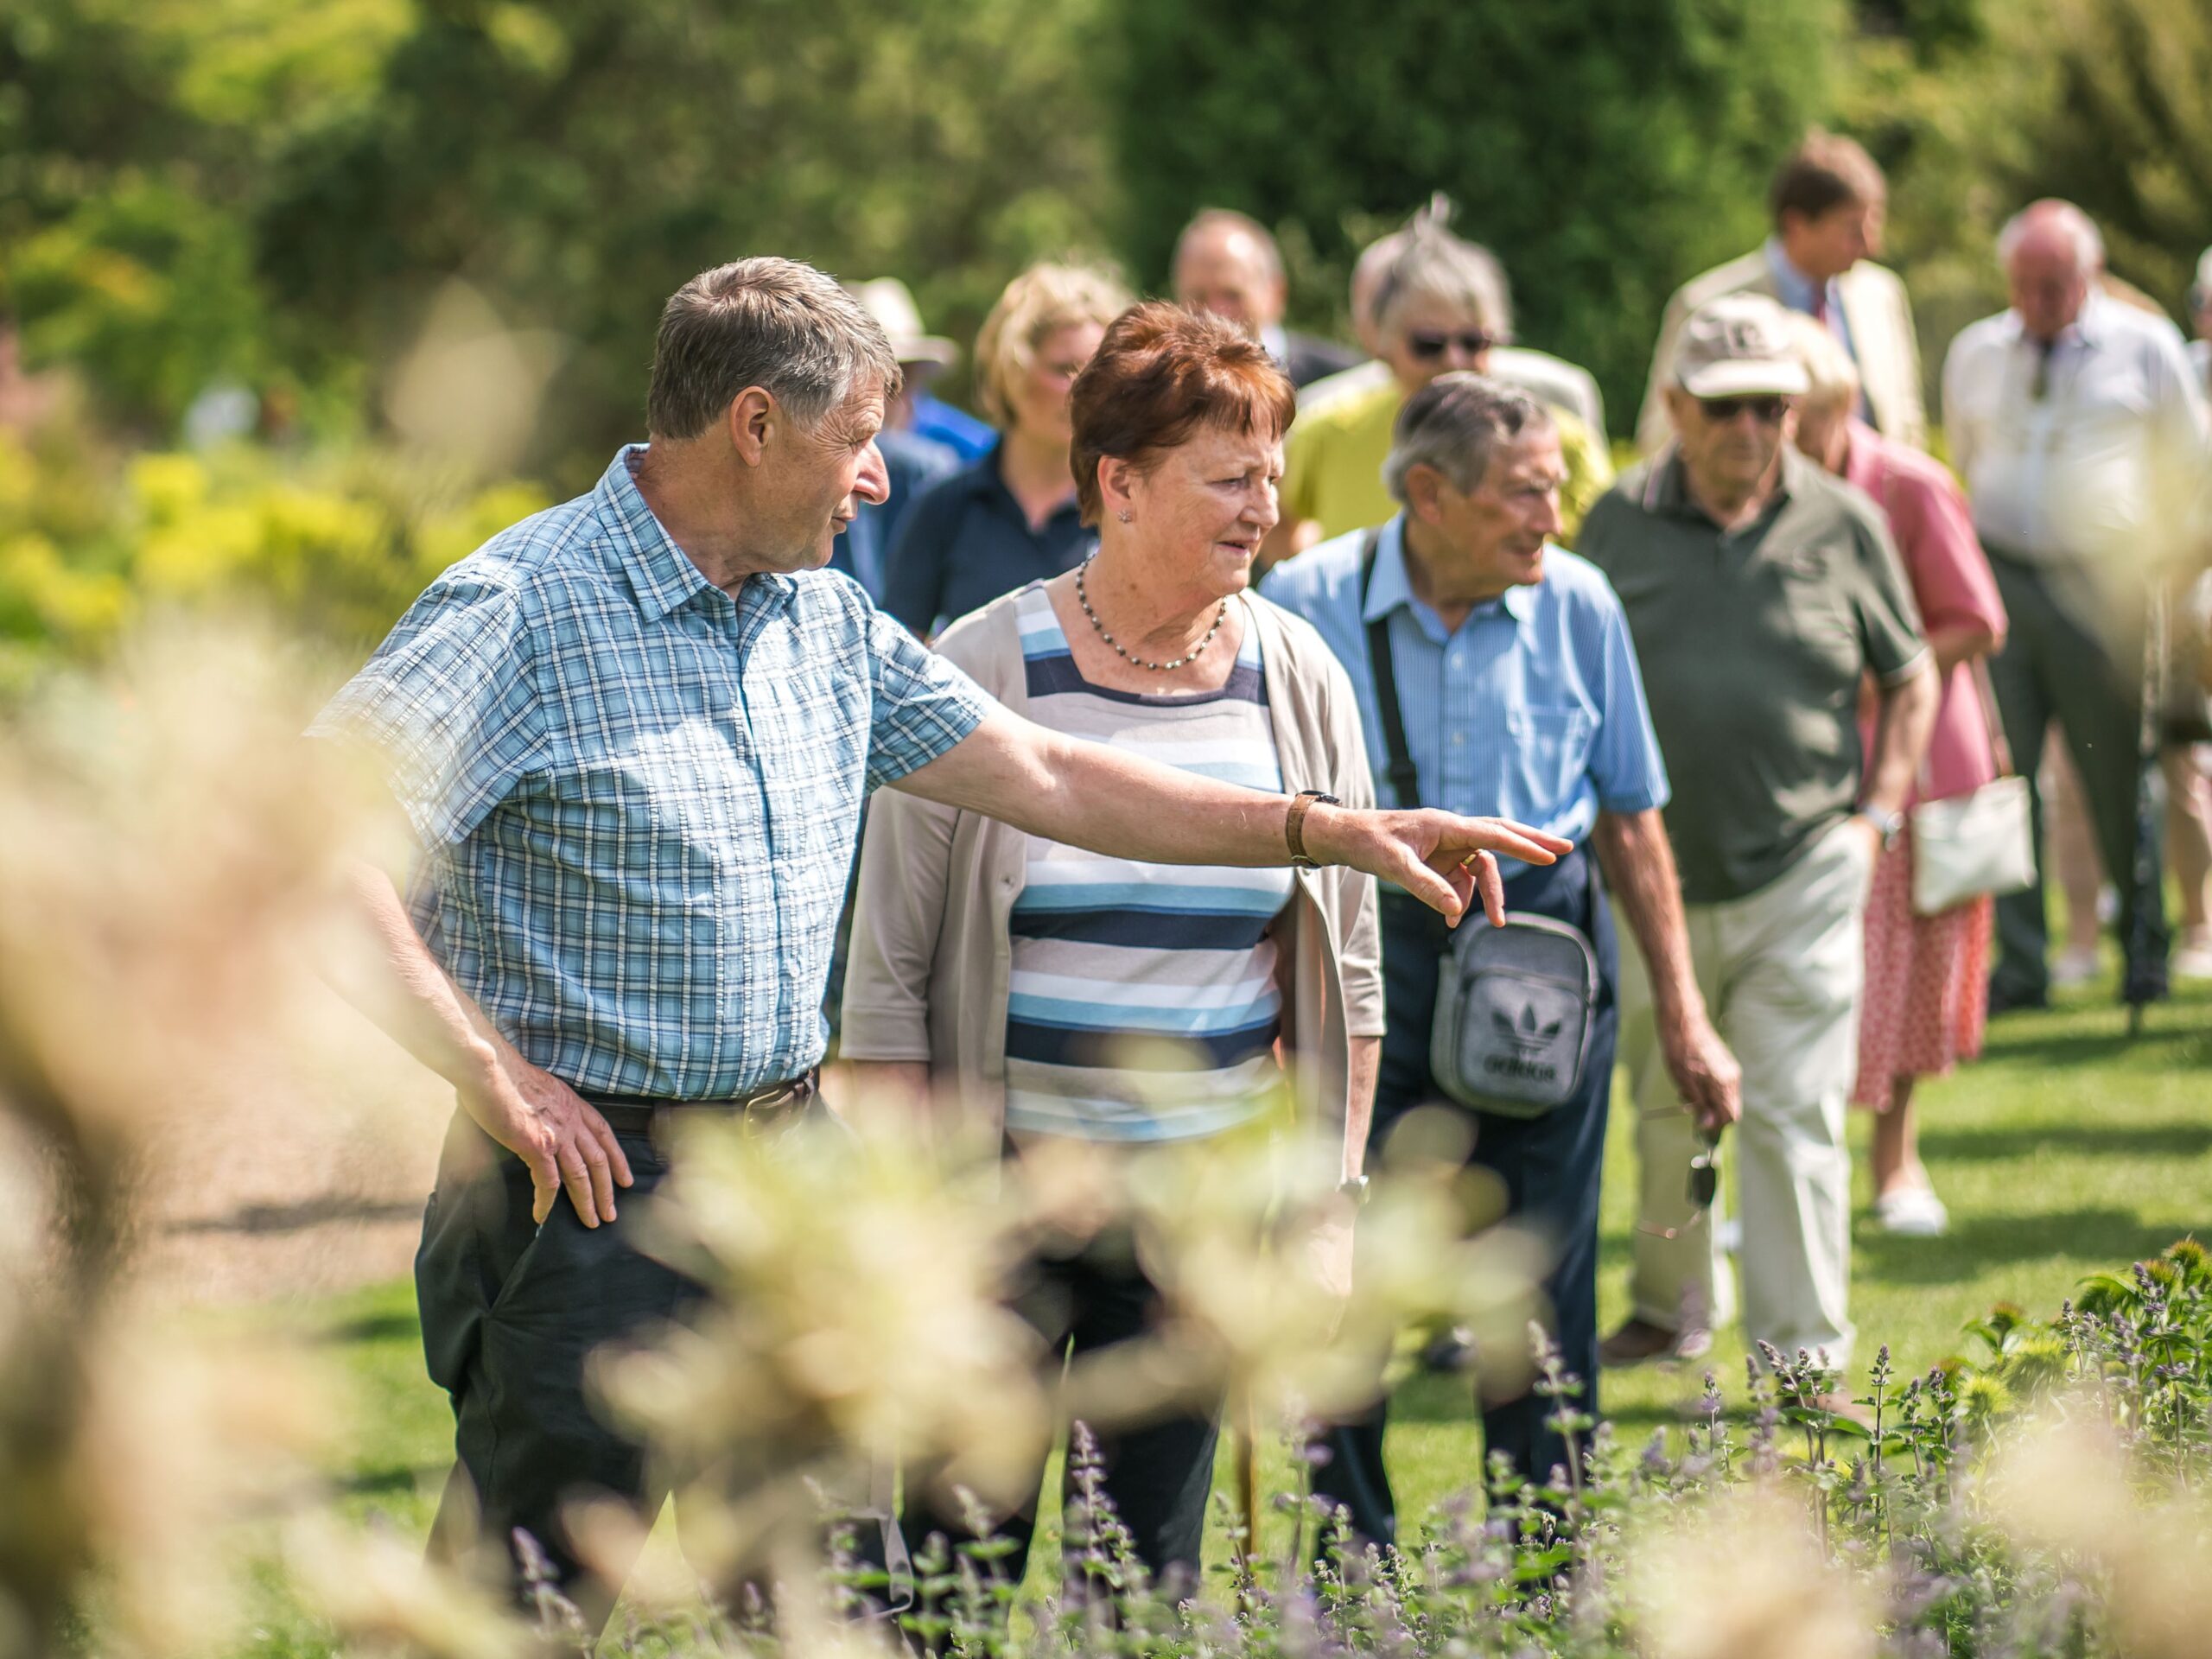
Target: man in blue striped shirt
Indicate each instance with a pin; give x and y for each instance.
(1517, 690)
(632, 735)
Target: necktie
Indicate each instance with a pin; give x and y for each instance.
(1820, 305)
(2039, 388)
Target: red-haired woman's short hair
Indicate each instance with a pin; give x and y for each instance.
(1160, 374)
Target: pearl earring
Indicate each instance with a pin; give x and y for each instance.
(1123, 515)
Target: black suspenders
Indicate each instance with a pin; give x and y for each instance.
(1405, 778)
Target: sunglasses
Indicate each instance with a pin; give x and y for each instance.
(1429, 348)
(1767, 411)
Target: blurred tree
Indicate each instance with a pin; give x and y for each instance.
(1977, 107)
(192, 191)
(1917, 84)
(1606, 149)
(574, 161)
(2129, 134)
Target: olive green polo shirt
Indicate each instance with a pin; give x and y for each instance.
(1752, 643)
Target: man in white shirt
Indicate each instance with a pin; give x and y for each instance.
(2082, 435)
(1828, 202)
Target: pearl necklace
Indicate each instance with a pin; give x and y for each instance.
(1188, 657)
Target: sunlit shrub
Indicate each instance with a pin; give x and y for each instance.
(335, 547)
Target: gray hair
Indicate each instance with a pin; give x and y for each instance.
(1453, 424)
(773, 323)
(1432, 263)
(2081, 229)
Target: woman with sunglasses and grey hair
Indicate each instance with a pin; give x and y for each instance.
(1440, 304)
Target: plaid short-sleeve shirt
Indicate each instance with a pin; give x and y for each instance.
(637, 795)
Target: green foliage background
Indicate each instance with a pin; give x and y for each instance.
(283, 196)
(1605, 149)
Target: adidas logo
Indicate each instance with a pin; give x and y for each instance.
(1529, 1037)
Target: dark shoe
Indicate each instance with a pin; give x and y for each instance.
(2144, 983)
(1639, 1340)
(1450, 1351)
(2004, 1001)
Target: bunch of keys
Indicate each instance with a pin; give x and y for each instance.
(1705, 1172)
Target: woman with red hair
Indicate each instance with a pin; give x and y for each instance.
(1101, 1000)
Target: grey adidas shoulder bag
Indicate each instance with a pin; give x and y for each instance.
(1513, 1015)
(1514, 1004)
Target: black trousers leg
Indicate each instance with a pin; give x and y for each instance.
(1157, 1473)
(2098, 697)
(1353, 1475)
(511, 1310)
(2065, 659)
(2022, 974)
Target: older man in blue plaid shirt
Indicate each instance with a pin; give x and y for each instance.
(632, 735)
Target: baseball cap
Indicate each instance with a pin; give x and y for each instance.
(892, 303)
(1738, 345)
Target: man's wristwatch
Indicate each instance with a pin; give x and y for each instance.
(1293, 825)
(1355, 1188)
(1887, 822)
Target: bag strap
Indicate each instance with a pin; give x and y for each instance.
(1405, 777)
(2000, 752)
(1999, 749)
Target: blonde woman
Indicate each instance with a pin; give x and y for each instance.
(1010, 519)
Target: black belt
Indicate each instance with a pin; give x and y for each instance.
(772, 1103)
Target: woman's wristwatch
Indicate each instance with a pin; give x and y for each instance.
(1293, 825)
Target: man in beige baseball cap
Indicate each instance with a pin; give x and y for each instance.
(1736, 346)
(1759, 591)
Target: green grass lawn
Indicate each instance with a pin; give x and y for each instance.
(2067, 1149)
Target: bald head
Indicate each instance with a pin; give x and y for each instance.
(1227, 264)
(2052, 255)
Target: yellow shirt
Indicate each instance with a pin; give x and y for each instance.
(1332, 464)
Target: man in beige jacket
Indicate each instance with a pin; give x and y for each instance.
(1828, 202)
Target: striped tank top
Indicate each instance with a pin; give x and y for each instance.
(1143, 1001)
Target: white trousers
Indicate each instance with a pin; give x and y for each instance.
(1781, 971)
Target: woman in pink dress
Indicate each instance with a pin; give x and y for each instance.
(1924, 1007)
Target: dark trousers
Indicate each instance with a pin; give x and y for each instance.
(1157, 1474)
(510, 1312)
(2062, 663)
(1551, 1167)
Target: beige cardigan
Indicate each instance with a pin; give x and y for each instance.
(926, 978)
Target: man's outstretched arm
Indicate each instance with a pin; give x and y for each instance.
(397, 983)
(1093, 796)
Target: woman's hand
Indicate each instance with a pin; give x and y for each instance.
(1441, 858)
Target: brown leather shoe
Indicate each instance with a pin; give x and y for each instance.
(1639, 1340)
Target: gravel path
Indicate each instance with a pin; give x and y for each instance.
(284, 1185)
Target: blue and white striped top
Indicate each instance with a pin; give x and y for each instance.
(1142, 1002)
